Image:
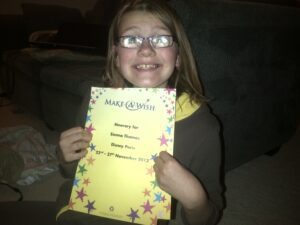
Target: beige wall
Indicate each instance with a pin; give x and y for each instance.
(14, 6)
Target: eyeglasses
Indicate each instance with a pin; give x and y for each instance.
(157, 41)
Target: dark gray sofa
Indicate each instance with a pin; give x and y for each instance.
(248, 58)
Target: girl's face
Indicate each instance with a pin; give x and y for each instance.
(145, 66)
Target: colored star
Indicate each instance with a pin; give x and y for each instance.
(88, 118)
(168, 207)
(154, 183)
(90, 160)
(81, 194)
(92, 147)
(133, 215)
(157, 197)
(147, 207)
(169, 130)
(90, 108)
(76, 181)
(153, 157)
(154, 220)
(90, 128)
(93, 101)
(82, 169)
(86, 181)
(170, 119)
(163, 140)
(163, 198)
(169, 111)
(90, 206)
(150, 171)
(146, 192)
(71, 204)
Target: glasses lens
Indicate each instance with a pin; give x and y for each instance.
(129, 41)
(162, 41)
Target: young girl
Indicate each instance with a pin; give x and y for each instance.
(149, 48)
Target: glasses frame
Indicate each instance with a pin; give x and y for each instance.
(149, 39)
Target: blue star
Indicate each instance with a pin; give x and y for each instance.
(76, 181)
(92, 147)
(88, 118)
(153, 157)
(168, 130)
(158, 197)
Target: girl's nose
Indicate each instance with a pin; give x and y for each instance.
(146, 48)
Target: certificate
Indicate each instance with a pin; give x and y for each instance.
(116, 180)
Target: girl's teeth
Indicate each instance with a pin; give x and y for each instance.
(146, 66)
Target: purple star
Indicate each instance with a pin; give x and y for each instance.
(90, 206)
(147, 207)
(133, 215)
(81, 194)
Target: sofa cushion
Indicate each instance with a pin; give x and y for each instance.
(69, 77)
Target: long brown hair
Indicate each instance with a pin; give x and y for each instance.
(185, 78)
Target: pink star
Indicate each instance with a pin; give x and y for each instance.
(147, 207)
(93, 101)
(169, 111)
(90, 128)
(163, 140)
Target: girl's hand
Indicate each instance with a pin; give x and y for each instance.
(73, 143)
(173, 178)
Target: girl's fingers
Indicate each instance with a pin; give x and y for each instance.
(76, 155)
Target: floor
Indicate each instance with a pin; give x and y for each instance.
(264, 191)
